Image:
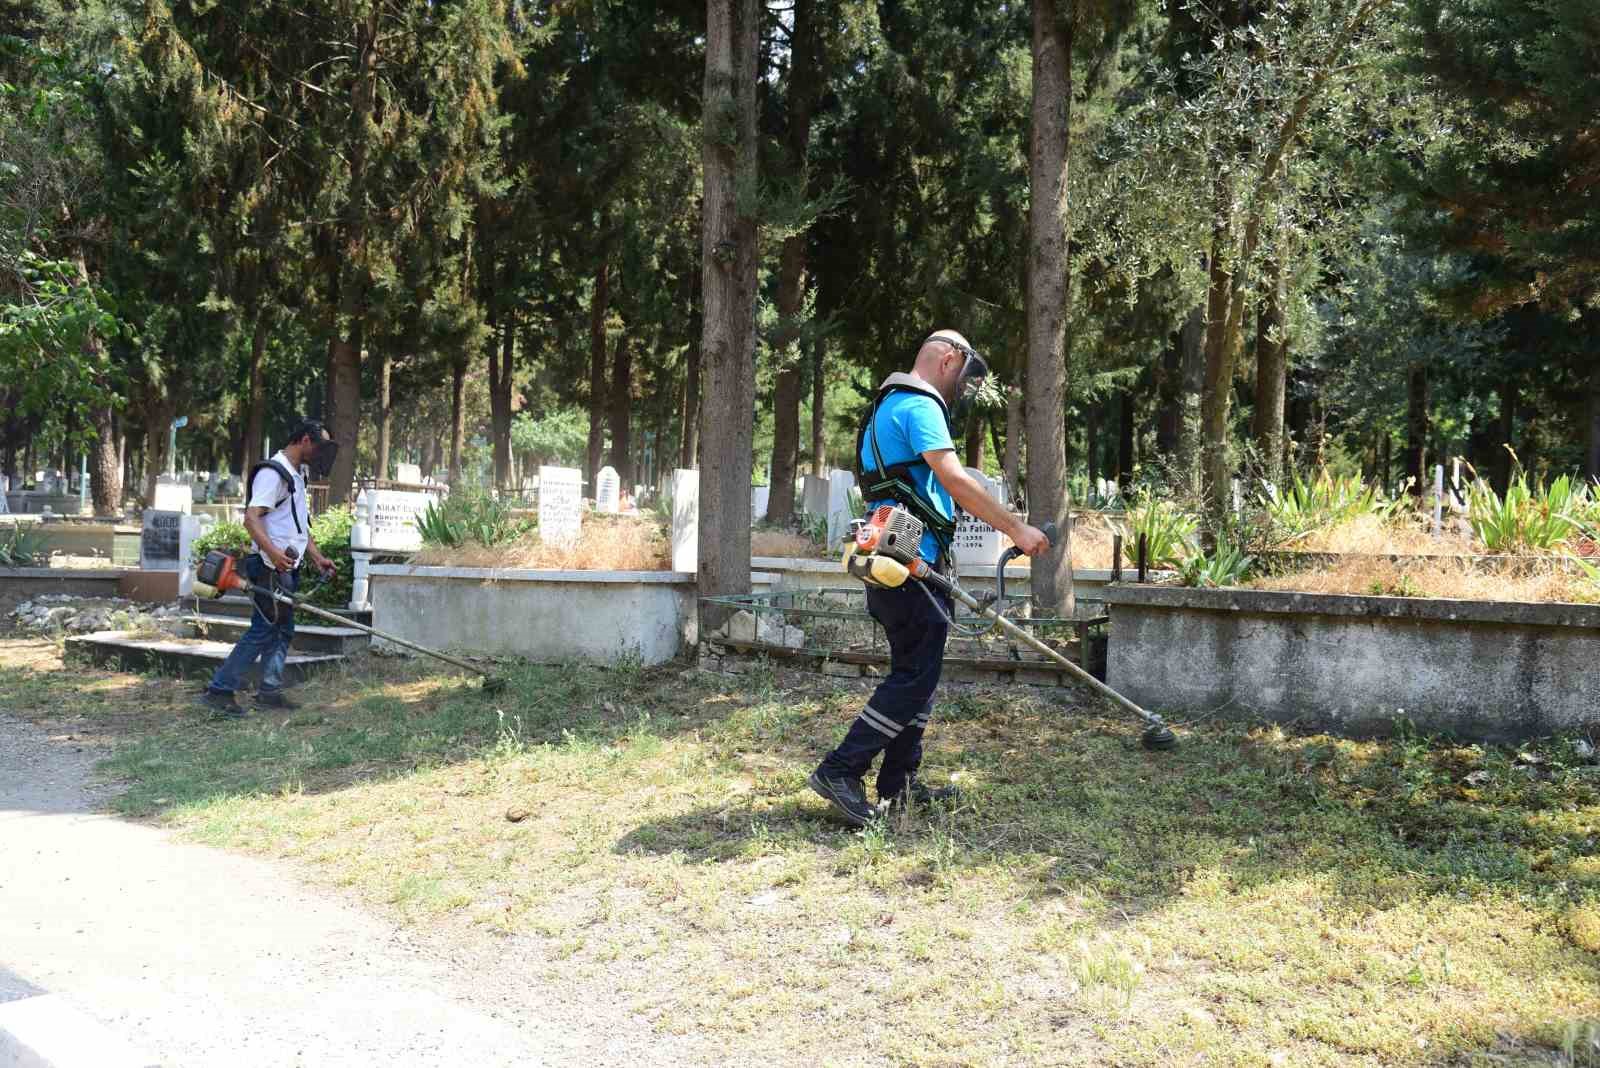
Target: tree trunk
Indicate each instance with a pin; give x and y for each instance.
(1272, 369)
(429, 461)
(792, 276)
(689, 447)
(729, 261)
(256, 399)
(819, 391)
(1591, 454)
(975, 436)
(1508, 417)
(1049, 132)
(1169, 397)
(502, 351)
(159, 411)
(1125, 417)
(597, 368)
(344, 418)
(1192, 348)
(105, 466)
(621, 455)
(1221, 352)
(1091, 445)
(385, 414)
(1417, 428)
(458, 420)
(1014, 431)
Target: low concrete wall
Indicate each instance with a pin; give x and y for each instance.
(792, 573)
(18, 584)
(546, 616)
(1475, 669)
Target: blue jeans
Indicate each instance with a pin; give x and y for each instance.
(895, 718)
(271, 630)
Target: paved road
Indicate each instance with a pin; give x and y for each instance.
(207, 958)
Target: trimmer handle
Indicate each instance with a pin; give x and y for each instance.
(1052, 534)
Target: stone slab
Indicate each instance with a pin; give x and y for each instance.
(116, 648)
(308, 637)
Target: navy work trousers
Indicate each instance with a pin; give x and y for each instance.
(271, 631)
(897, 715)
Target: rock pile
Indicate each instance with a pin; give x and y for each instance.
(54, 613)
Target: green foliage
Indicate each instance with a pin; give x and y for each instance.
(330, 529)
(559, 439)
(1227, 565)
(22, 546)
(1321, 502)
(230, 537)
(471, 518)
(1168, 530)
(1527, 518)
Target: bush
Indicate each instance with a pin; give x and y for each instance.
(1229, 565)
(1527, 518)
(1168, 532)
(1325, 501)
(464, 517)
(22, 547)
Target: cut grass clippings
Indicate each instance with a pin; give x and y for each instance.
(1250, 898)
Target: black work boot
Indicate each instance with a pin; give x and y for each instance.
(920, 795)
(845, 793)
(222, 705)
(276, 699)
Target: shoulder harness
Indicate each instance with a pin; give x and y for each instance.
(894, 481)
(288, 495)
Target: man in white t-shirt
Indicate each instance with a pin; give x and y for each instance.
(279, 523)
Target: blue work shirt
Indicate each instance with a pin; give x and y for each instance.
(908, 425)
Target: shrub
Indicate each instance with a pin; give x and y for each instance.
(1229, 565)
(1168, 532)
(22, 547)
(1527, 517)
(1324, 501)
(466, 517)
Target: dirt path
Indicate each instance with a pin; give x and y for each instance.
(207, 958)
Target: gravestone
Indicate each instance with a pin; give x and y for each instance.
(976, 542)
(607, 490)
(759, 496)
(840, 483)
(814, 500)
(560, 505)
(410, 473)
(686, 521)
(174, 497)
(166, 542)
(393, 519)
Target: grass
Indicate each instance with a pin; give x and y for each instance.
(1253, 898)
(605, 543)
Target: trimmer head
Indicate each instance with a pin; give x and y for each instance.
(1159, 737)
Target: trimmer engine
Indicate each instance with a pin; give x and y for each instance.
(885, 551)
(217, 574)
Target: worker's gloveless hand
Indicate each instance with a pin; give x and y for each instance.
(1031, 540)
(279, 560)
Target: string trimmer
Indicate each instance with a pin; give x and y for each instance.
(218, 573)
(884, 553)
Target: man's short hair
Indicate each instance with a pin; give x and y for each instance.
(312, 428)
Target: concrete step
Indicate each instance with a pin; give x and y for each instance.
(238, 606)
(308, 637)
(192, 657)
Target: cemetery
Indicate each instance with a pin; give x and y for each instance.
(931, 535)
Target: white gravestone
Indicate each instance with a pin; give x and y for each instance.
(560, 505)
(686, 521)
(976, 542)
(394, 515)
(174, 497)
(840, 483)
(607, 490)
(814, 500)
(410, 473)
(759, 496)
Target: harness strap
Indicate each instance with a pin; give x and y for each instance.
(894, 481)
(287, 493)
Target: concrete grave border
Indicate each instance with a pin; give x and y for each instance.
(1490, 670)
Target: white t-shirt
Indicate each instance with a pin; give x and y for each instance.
(267, 491)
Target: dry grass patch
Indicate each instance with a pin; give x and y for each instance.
(1458, 579)
(1251, 898)
(783, 543)
(620, 543)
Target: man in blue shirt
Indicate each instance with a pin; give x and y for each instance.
(910, 430)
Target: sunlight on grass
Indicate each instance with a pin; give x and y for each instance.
(1251, 898)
